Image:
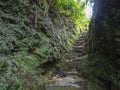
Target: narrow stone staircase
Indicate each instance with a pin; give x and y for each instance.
(76, 52)
(68, 73)
(75, 56)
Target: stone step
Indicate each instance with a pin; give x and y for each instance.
(78, 47)
(77, 50)
(79, 42)
(73, 63)
(70, 72)
(75, 53)
(83, 35)
(77, 59)
(75, 56)
(84, 32)
(81, 39)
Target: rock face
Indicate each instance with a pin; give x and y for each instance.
(33, 40)
(102, 66)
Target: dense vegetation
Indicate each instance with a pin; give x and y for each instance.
(34, 36)
(101, 67)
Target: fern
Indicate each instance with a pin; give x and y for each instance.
(71, 9)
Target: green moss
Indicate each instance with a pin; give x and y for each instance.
(101, 66)
(28, 52)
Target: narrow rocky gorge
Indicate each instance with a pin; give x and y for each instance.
(44, 43)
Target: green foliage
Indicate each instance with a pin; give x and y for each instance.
(72, 9)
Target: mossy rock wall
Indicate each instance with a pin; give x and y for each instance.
(33, 41)
(102, 65)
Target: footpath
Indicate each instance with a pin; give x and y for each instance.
(68, 74)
